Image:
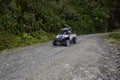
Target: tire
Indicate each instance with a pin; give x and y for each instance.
(74, 40)
(54, 43)
(67, 43)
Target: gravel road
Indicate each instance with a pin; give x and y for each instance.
(86, 60)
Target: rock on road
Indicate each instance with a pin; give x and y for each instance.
(44, 61)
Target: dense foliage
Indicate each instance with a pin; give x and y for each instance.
(85, 16)
(18, 17)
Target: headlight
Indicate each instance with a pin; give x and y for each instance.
(60, 36)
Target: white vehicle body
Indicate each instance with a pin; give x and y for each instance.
(71, 36)
(65, 38)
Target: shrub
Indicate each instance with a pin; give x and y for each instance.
(114, 36)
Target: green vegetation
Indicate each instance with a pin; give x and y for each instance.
(9, 40)
(114, 36)
(21, 21)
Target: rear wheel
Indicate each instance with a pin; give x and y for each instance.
(67, 42)
(74, 40)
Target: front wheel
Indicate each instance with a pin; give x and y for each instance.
(54, 43)
(67, 42)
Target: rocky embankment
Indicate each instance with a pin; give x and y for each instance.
(111, 69)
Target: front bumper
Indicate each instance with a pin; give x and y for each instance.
(59, 40)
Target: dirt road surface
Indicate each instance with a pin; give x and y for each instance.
(87, 60)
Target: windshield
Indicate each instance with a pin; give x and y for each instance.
(64, 32)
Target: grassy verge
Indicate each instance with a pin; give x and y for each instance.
(114, 37)
(8, 40)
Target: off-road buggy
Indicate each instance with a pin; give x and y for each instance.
(66, 37)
